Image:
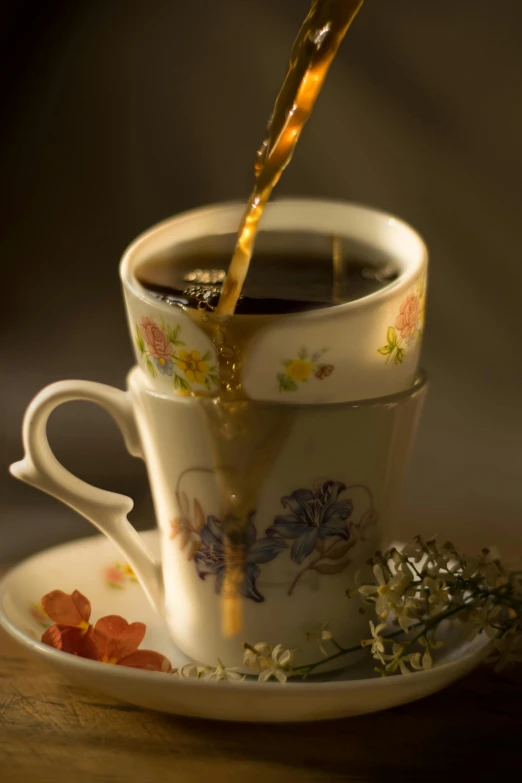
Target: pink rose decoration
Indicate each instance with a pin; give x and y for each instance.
(157, 341)
(405, 322)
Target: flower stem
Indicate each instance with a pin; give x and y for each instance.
(303, 671)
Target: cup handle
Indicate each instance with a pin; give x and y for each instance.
(106, 510)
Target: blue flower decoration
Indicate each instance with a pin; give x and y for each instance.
(166, 367)
(211, 558)
(313, 515)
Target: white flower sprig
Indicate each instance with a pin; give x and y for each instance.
(416, 589)
(420, 586)
(412, 591)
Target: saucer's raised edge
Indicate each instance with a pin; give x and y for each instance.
(59, 659)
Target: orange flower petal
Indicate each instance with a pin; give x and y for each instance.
(67, 609)
(66, 638)
(115, 638)
(399, 322)
(147, 659)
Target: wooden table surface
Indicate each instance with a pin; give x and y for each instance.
(52, 730)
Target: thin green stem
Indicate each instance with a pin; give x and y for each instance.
(425, 627)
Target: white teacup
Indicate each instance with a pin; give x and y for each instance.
(325, 499)
(364, 348)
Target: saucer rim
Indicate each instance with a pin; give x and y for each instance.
(60, 658)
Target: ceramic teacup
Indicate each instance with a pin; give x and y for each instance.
(328, 480)
(364, 348)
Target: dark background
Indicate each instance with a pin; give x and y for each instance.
(119, 113)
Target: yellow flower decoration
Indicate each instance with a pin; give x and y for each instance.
(299, 369)
(127, 570)
(193, 366)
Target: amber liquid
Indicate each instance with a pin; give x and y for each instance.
(312, 53)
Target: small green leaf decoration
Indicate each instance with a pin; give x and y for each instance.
(139, 340)
(180, 383)
(286, 383)
(150, 367)
(419, 334)
(303, 354)
(399, 356)
(385, 350)
(391, 336)
(206, 357)
(172, 334)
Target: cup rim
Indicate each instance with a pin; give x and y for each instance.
(404, 280)
(390, 400)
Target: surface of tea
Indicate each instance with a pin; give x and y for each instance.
(312, 53)
(289, 273)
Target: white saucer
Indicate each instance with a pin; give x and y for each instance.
(83, 565)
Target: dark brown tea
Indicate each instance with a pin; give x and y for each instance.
(289, 273)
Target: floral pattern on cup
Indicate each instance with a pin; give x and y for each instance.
(238, 551)
(160, 348)
(188, 525)
(409, 325)
(110, 640)
(118, 575)
(300, 369)
(319, 521)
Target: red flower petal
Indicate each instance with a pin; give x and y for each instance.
(66, 609)
(67, 638)
(115, 638)
(147, 659)
(90, 646)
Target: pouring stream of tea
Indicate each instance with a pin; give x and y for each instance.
(312, 53)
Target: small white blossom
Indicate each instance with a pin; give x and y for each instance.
(324, 635)
(427, 662)
(191, 670)
(399, 661)
(377, 641)
(219, 672)
(384, 597)
(253, 655)
(413, 551)
(404, 622)
(225, 673)
(269, 661)
(439, 596)
(481, 619)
